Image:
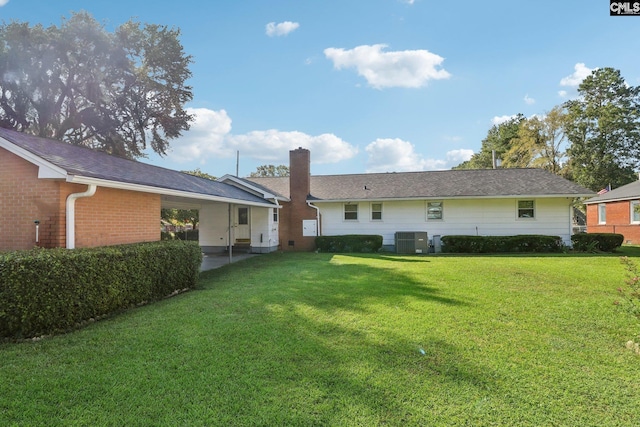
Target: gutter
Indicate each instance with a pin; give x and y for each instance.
(71, 213)
(76, 179)
(317, 217)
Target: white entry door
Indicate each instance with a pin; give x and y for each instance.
(242, 223)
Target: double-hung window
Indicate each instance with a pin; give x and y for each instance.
(635, 212)
(435, 211)
(351, 212)
(376, 211)
(602, 213)
(526, 209)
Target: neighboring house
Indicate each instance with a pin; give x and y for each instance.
(54, 194)
(616, 211)
(484, 202)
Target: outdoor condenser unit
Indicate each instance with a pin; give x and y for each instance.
(412, 242)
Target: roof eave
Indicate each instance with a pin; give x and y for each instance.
(399, 199)
(77, 179)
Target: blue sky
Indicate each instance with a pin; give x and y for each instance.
(367, 86)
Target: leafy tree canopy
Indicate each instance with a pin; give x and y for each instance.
(498, 139)
(603, 129)
(117, 92)
(539, 143)
(198, 172)
(270, 170)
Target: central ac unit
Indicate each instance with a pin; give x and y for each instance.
(412, 242)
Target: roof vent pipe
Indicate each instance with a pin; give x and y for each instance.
(71, 213)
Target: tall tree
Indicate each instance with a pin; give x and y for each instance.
(270, 170)
(117, 92)
(604, 130)
(539, 143)
(498, 139)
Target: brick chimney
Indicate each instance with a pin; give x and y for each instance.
(299, 190)
(299, 174)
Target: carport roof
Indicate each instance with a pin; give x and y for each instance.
(86, 166)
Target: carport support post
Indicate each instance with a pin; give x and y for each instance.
(229, 239)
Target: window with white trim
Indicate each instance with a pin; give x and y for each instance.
(526, 209)
(350, 212)
(275, 214)
(376, 211)
(602, 213)
(435, 211)
(635, 212)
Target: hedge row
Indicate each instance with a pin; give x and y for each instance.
(605, 242)
(43, 291)
(349, 243)
(501, 244)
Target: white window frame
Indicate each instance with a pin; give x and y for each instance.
(376, 211)
(532, 208)
(276, 215)
(633, 204)
(602, 213)
(344, 212)
(434, 202)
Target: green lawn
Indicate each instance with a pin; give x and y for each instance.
(321, 339)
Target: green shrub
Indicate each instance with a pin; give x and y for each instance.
(349, 243)
(589, 242)
(501, 244)
(51, 290)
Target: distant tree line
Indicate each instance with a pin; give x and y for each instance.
(593, 140)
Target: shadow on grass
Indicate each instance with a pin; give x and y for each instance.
(353, 333)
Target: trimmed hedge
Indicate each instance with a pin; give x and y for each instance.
(363, 243)
(501, 244)
(605, 242)
(43, 291)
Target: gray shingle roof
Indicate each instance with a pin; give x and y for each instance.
(626, 192)
(434, 184)
(84, 162)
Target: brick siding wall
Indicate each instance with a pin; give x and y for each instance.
(618, 221)
(110, 217)
(23, 199)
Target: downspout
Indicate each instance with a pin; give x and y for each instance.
(317, 217)
(71, 213)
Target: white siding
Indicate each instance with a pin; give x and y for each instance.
(214, 223)
(483, 217)
(214, 226)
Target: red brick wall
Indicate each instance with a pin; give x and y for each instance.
(618, 221)
(297, 210)
(110, 217)
(23, 199)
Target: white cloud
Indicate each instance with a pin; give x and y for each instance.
(407, 1)
(563, 93)
(274, 145)
(281, 29)
(3, 2)
(579, 74)
(205, 138)
(528, 100)
(210, 137)
(497, 120)
(455, 157)
(408, 68)
(396, 155)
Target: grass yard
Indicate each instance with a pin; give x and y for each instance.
(348, 340)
